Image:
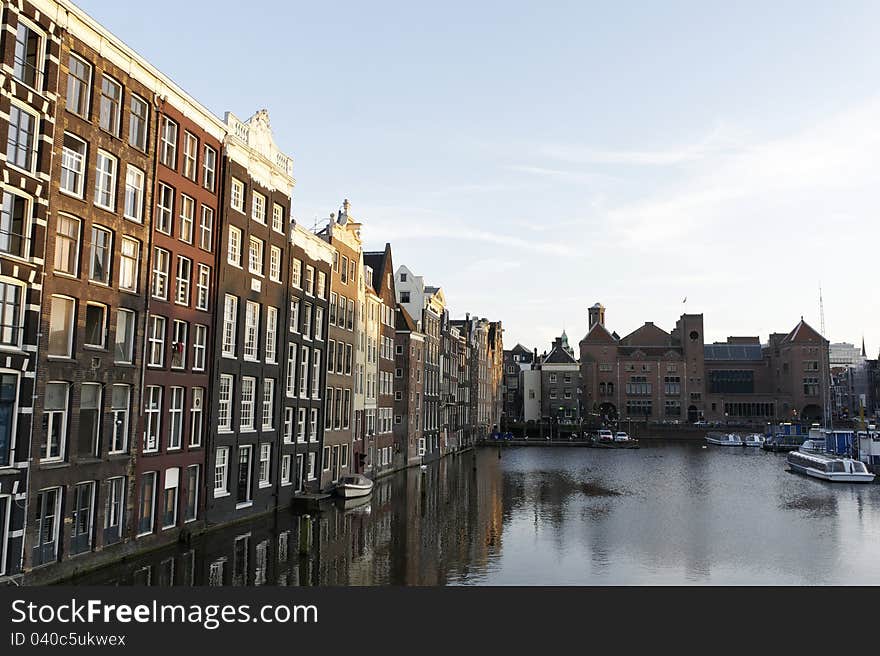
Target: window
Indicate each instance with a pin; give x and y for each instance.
(236, 195)
(304, 372)
(67, 245)
(129, 259)
(120, 401)
(160, 273)
(101, 255)
(313, 425)
(11, 315)
(294, 315)
(290, 386)
(184, 280)
(153, 418)
(346, 408)
(301, 425)
(196, 416)
(206, 229)
(255, 256)
(73, 165)
(243, 489)
(14, 225)
(275, 263)
(200, 342)
(82, 517)
(110, 105)
(8, 411)
(295, 272)
(271, 333)
(138, 120)
(285, 469)
(277, 217)
(203, 285)
(404, 297)
(259, 208)
(288, 425)
(114, 510)
(168, 143)
(192, 493)
(310, 280)
(134, 194)
(105, 181)
(233, 251)
(79, 82)
(165, 207)
(221, 471)
(224, 408)
(175, 417)
(265, 465)
(123, 351)
(251, 329)
(62, 313)
(268, 403)
(316, 372)
(147, 505)
(307, 321)
(156, 342)
(96, 325)
(322, 284)
(187, 218)
(190, 155)
(319, 323)
(209, 166)
(178, 344)
(344, 273)
(90, 420)
(28, 60)
(21, 140)
(230, 313)
(248, 387)
(55, 421)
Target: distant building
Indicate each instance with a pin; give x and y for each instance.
(516, 360)
(560, 383)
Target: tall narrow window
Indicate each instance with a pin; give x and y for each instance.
(230, 314)
(129, 261)
(120, 402)
(255, 256)
(178, 344)
(90, 420)
(187, 218)
(8, 395)
(73, 165)
(275, 264)
(236, 195)
(233, 250)
(210, 168)
(206, 229)
(203, 285)
(301, 425)
(259, 208)
(111, 105)
(290, 385)
(61, 318)
(243, 488)
(200, 342)
(196, 416)
(101, 255)
(147, 505)
(123, 352)
(96, 325)
(156, 342)
(134, 194)
(224, 404)
(175, 417)
(105, 181)
(248, 386)
(192, 493)
(295, 272)
(268, 403)
(27, 64)
(265, 465)
(161, 259)
(316, 372)
(168, 143)
(165, 209)
(79, 82)
(153, 418)
(277, 217)
(138, 122)
(221, 471)
(190, 155)
(288, 425)
(304, 372)
(271, 333)
(55, 421)
(251, 329)
(184, 280)
(11, 312)
(21, 140)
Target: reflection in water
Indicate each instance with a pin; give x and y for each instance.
(666, 514)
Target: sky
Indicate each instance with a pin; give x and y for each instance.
(533, 158)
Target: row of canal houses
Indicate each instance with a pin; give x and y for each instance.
(177, 352)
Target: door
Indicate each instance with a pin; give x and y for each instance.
(46, 549)
(300, 472)
(81, 529)
(334, 467)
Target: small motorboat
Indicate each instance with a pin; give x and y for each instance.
(812, 446)
(356, 485)
(621, 436)
(755, 439)
(724, 439)
(604, 435)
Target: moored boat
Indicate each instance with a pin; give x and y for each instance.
(356, 485)
(754, 439)
(838, 469)
(724, 439)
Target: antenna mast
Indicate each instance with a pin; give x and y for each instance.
(821, 312)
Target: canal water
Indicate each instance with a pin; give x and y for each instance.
(669, 513)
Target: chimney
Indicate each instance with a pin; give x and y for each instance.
(597, 315)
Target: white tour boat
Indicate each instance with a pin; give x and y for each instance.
(724, 439)
(838, 469)
(755, 439)
(356, 485)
